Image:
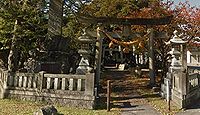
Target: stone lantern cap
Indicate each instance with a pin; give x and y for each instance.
(176, 39)
(86, 38)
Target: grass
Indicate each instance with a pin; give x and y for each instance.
(162, 106)
(17, 107)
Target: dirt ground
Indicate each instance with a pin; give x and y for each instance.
(126, 88)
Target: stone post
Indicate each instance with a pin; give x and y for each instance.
(89, 84)
(184, 68)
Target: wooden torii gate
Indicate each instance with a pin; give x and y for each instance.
(123, 21)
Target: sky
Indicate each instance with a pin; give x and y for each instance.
(192, 2)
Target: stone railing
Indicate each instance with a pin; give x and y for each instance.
(25, 81)
(76, 83)
(72, 90)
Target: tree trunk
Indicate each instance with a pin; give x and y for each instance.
(13, 57)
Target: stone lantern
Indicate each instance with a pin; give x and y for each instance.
(174, 86)
(87, 52)
(177, 71)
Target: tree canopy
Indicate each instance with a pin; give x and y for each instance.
(183, 14)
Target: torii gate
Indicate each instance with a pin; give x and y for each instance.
(55, 28)
(125, 22)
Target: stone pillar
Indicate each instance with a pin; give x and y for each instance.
(89, 84)
(184, 68)
(55, 18)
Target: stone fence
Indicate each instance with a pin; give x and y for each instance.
(184, 91)
(193, 84)
(72, 90)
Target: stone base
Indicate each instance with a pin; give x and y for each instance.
(84, 67)
(178, 99)
(77, 101)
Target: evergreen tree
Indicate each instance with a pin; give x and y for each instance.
(22, 25)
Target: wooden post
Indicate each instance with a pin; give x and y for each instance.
(151, 59)
(98, 55)
(108, 95)
(169, 103)
(168, 94)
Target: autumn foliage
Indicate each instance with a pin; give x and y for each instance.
(186, 19)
